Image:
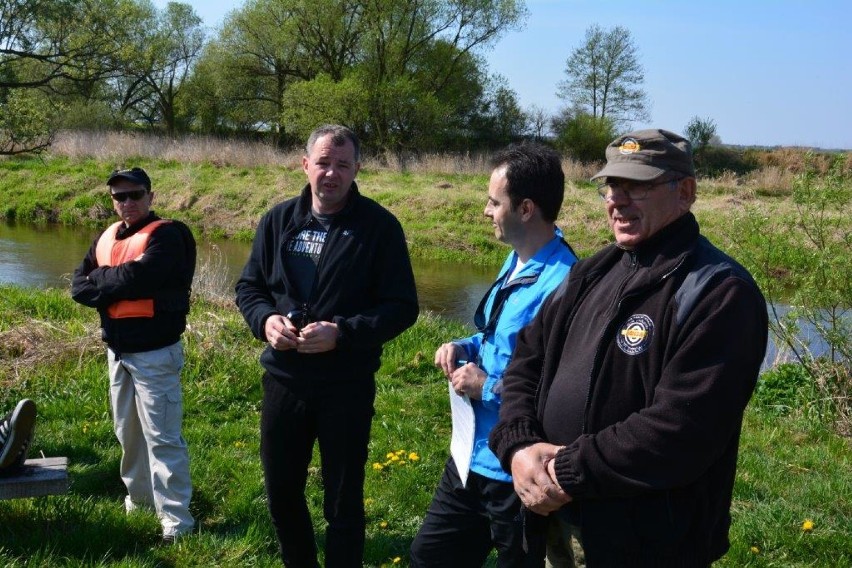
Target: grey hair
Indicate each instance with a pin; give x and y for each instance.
(339, 136)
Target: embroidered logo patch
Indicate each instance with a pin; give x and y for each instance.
(635, 336)
(629, 146)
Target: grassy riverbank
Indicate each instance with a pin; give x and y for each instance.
(221, 189)
(792, 501)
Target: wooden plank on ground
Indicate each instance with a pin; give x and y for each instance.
(45, 476)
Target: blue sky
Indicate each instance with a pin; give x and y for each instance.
(768, 72)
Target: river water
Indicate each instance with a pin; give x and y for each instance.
(45, 256)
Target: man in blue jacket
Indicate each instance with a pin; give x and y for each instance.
(328, 282)
(466, 521)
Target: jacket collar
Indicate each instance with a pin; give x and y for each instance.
(535, 265)
(661, 253)
(125, 231)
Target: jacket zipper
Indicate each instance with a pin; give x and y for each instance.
(607, 329)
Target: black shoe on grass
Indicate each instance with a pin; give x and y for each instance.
(16, 435)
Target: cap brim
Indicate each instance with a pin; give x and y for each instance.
(625, 170)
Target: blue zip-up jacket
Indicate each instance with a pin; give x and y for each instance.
(492, 350)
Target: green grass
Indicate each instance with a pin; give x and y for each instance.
(792, 468)
(442, 213)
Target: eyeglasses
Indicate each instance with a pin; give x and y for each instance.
(135, 195)
(635, 192)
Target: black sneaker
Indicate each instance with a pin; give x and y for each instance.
(16, 434)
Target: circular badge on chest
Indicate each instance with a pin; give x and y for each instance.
(635, 335)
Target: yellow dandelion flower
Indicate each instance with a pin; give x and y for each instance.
(378, 467)
(394, 457)
(389, 455)
(400, 452)
(368, 501)
(808, 525)
(383, 524)
(755, 550)
(413, 456)
(397, 560)
(401, 462)
(239, 444)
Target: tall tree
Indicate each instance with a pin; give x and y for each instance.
(266, 46)
(46, 45)
(158, 62)
(604, 77)
(538, 122)
(700, 132)
(417, 64)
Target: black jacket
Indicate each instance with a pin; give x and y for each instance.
(364, 284)
(165, 274)
(677, 355)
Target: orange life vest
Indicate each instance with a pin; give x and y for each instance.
(112, 252)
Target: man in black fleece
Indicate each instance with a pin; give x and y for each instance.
(328, 282)
(623, 404)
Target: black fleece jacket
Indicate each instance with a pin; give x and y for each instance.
(364, 284)
(674, 358)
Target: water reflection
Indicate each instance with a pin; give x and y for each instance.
(46, 255)
(40, 255)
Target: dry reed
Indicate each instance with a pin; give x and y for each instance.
(118, 147)
(37, 342)
(778, 167)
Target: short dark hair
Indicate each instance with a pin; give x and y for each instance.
(339, 136)
(533, 171)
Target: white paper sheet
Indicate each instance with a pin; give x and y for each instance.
(461, 444)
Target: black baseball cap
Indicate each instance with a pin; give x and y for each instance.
(135, 175)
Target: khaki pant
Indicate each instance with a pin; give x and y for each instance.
(147, 407)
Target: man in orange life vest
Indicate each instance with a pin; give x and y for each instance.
(138, 275)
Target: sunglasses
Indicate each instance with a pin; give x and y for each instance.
(135, 195)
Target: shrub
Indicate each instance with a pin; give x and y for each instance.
(782, 388)
(800, 258)
(715, 160)
(585, 137)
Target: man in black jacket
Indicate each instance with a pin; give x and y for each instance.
(138, 275)
(328, 282)
(623, 404)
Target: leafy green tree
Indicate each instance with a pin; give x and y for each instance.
(427, 46)
(700, 132)
(604, 77)
(499, 119)
(582, 136)
(538, 122)
(800, 258)
(265, 47)
(324, 100)
(412, 67)
(50, 46)
(157, 62)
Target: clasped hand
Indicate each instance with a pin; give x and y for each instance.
(534, 476)
(316, 337)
